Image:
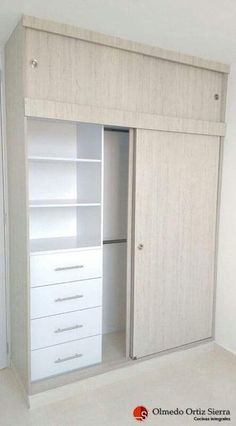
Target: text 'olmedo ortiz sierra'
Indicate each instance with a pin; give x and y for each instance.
(209, 414)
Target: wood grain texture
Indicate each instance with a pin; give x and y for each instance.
(79, 72)
(119, 43)
(107, 116)
(130, 234)
(175, 218)
(220, 171)
(18, 215)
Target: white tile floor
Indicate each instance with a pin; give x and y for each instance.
(201, 377)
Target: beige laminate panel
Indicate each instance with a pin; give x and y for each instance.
(119, 43)
(130, 236)
(223, 110)
(17, 196)
(80, 72)
(175, 218)
(107, 116)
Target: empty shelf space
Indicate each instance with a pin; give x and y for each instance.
(78, 181)
(61, 243)
(64, 159)
(65, 185)
(60, 203)
(55, 140)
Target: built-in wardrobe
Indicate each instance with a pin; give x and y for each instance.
(114, 165)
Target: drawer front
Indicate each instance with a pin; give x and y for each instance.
(65, 357)
(65, 327)
(65, 267)
(61, 298)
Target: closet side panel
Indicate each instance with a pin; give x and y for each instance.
(175, 219)
(17, 201)
(79, 72)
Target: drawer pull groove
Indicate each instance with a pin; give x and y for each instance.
(61, 330)
(69, 358)
(66, 268)
(63, 299)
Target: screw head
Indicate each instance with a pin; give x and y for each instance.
(216, 96)
(34, 63)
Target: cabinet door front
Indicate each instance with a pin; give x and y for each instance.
(79, 72)
(176, 182)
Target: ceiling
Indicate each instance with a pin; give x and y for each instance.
(200, 27)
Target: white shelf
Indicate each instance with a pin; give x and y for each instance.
(64, 159)
(65, 186)
(60, 203)
(60, 244)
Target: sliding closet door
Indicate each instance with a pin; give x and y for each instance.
(176, 178)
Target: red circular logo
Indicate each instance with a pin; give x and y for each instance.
(140, 413)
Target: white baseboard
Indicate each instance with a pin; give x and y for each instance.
(226, 348)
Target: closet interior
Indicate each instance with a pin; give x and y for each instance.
(78, 198)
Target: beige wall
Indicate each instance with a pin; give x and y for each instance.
(3, 336)
(226, 287)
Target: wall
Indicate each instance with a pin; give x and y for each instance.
(226, 286)
(3, 327)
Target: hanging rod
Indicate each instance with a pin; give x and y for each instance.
(108, 129)
(117, 241)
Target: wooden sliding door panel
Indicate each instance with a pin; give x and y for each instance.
(79, 72)
(175, 218)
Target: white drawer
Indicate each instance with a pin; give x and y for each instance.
(64, 267)
(60, 298)
(65, 327)
(65, 357)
